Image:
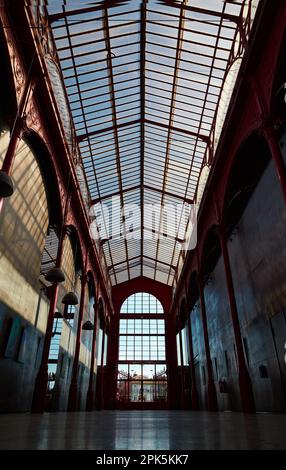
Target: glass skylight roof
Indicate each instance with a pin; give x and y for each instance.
(147, 83)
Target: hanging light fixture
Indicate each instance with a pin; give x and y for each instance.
(88, 326)
(55, 275)
(70, 299)
(6, 185)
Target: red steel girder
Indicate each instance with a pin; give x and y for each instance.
(80, 11)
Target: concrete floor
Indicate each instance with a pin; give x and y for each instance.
(142, 430)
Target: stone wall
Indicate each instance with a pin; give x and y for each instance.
(23, 306)
(258, 260)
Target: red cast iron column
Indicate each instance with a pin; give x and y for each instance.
(182, 370)
(270, 135)
(112, 362)
(101, 398)
(172, 363)
(40, 389)
(17, 131)
(15, 137)
(245, 386)
(72, 400)
(89, 396)
(211, 390)
(277, 157)
(194, 392)
(18, 127)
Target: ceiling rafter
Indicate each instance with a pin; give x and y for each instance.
(142, 111)
(111, 3)
(116, 126)
(145, 186)
(114, 119)
(205, 101)
(78, 87)
(201, 11)
(170, 126)
(203, 107)
(202, 137)
(80, 11)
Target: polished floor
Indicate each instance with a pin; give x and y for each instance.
(143, 430)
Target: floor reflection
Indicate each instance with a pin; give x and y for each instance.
(142, 430)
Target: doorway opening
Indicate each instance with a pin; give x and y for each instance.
(142, 369)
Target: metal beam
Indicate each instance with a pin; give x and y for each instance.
(138, 257)
(202, 137)
(142, 105)
(201, 119)
(114, 119)
(78, 88)
(81, 11)
(171, 118)
(167, 193)
(82, 137)
(117, 193)
(113, 3)
(201, 11)
(145, 186)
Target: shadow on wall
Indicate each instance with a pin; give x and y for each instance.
(23, 306)
(23, 220)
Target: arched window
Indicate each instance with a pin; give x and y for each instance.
(141, 302)
(142, 353)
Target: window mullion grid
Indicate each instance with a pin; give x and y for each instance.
(112, 92)
(199, 127)
(86, 127)
(174, 86)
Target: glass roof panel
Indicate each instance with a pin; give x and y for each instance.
(144, 81)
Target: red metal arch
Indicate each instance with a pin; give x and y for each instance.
(211, 233)
(6, 74)
(74, 236)
(142, 284)
(183, 310)
(91, 285)
(192, 280)
(245, 133)
(254, 136)
(48, 170)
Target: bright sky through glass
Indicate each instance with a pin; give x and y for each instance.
(141, 303)
(141, 339)
(148, 84)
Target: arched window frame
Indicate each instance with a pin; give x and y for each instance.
(142, 369)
